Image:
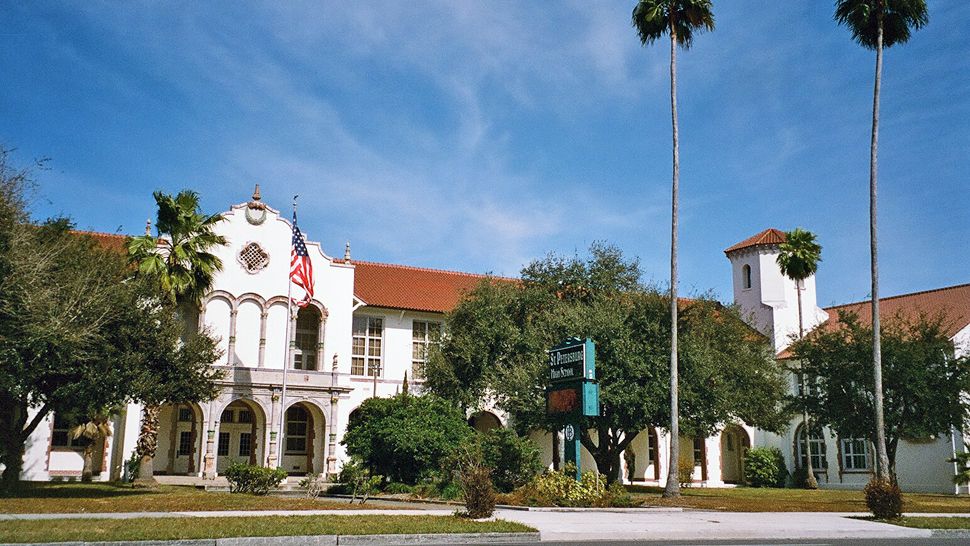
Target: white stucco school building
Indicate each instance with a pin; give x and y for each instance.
(369, 324)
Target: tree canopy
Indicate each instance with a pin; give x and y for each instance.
(924, 383)
(498, 335)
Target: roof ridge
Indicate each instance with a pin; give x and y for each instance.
(101, 233)
(431, 269)
(897, 296)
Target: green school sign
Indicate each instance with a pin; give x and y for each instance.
(572, 392)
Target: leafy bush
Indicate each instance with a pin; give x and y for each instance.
(765, 467)
(514, 460)
(884, 499)
(395, 488)
(562, 489)
(685, 472)
(475, 479)
(314, 484)
(132, 465)
(405, 437)
(359, 480)
(258, 480)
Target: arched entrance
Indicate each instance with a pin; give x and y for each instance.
(484, 421)
(303, 439)
(242, 426)
(734, 445)
(179, 439)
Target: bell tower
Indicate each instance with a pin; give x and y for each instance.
(768, 300)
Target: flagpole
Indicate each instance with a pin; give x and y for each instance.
(289, 355)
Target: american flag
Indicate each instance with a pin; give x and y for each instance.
(301, 270)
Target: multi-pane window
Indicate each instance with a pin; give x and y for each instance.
(297, 421)
(307, 336)
(423, 335)
(366, 357)
(817, 442)
(245, 443)
(245, 416)
(223, 450)
(185, 443)
(185, 414)
(810, 382)
(698, 451)
(226, 416)
(855, 454)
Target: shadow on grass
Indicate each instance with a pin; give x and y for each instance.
(74, 490)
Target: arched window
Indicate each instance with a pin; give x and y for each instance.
(297, 421)
(307, 337)
(819, 461)
(746, 276)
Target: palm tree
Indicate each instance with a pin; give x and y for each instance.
(798, 259)
(876, 24)
(95, 429)
(179, 262)
(680, 19)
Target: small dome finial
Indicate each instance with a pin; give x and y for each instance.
(256, 195)
(256, 203)
(148, 226)
(347, 253)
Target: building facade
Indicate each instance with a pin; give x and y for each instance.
(369, 326)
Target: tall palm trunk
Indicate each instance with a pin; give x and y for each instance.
(672, 488)
(810, 481)
(147, 444)
(883, 460)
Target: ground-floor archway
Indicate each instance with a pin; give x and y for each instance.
(734, 445)
(304, 439)
(484, 421)
(241, 430)
(180, 444)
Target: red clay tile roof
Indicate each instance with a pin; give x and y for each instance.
(110, 241)
(770, 236)
(954, 301)
(411, 288)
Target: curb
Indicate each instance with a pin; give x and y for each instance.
(319, 540)
(951, 533)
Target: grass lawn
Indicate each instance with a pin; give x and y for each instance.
(749, 499)
(259, 526)
(105, 497)
(933, 523)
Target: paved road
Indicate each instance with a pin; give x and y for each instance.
(934, 541)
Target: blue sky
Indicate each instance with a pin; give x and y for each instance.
(480, 135)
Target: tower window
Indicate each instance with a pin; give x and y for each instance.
(746, 276)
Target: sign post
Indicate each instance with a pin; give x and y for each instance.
(573, 392)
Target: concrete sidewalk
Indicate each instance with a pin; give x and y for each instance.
(593, 525)
(700, 525)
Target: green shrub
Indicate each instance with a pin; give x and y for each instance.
(562, 489)
(405, 437)
(395, 488)
(884, 499)
(514, 460)
(475, 479)
(254, 479)
(358, 480)
(685, 472)
(765, 467)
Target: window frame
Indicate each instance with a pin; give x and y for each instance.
(185, 447)
(245, 440)
(308, 355)
(819, 456)
(746, 277)
(850, 455)
(425, 343)
(222, 449)
(296, 436)
(366, 368)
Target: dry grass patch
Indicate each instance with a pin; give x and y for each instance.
(63, 530)
(749, 499)
(933, 523)
(107, 497)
